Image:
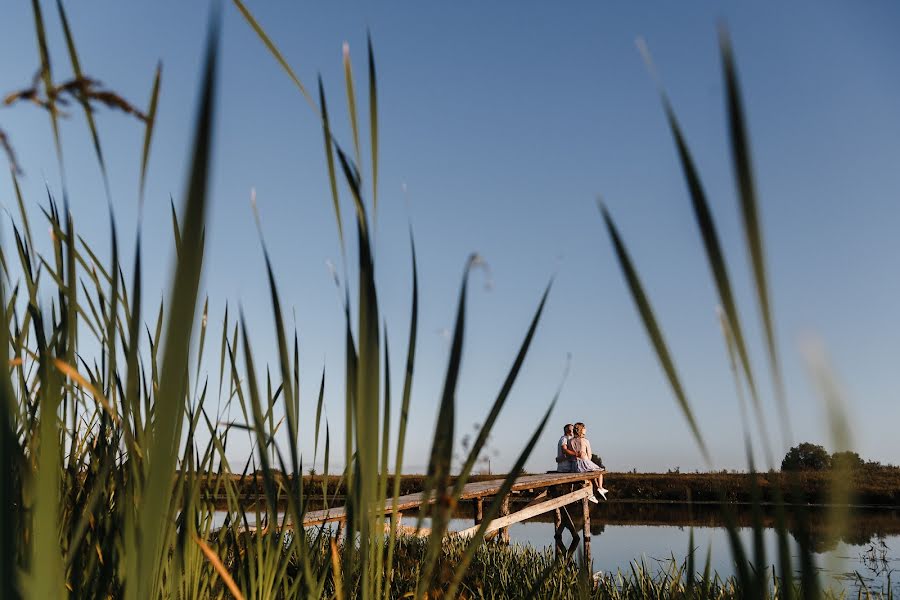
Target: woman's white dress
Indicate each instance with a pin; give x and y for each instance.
(583, 463)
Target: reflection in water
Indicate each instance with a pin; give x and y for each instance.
(864, 525)
(656, 534)
(868, 550)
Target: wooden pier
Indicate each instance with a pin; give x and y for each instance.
(544, 493)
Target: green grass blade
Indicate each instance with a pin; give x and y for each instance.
(368, 387)
(88, 112)
(351, 101)
(131, 401)
(319, 404)
(148, 130)
(442, 447)
(47, 78)
(494, 507)
(781, 530)
(410, 368)
(404, 414)
(9, 456)
(715, 257)
(25, 221)
(709, 235)
(260, 437)
(110, 346)
(170, 401)
(47, 575)
(691, 568)
(329, 156)
(741, 159)
(653, 330)
(499, 402)
(738, 554)
(254, 24)
(383, 466)
(203, 321)
(222, 349)
(373, 124)
(291, 408)
(176, 229)
(809, 576)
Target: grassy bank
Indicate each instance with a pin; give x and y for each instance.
(880, 488)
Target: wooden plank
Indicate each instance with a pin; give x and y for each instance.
(504, 512)
(532, 511)
(478, 489)
(539, 498)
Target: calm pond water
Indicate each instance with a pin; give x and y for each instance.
(656, 534)
(623, 533)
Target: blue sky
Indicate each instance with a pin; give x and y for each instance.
(499, 126)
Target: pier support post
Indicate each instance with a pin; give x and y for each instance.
(557, 532)
(479, 510)
(586, 532)
(504, 511)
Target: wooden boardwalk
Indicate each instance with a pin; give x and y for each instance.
(547, 492)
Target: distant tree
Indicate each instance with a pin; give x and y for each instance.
(847, 460)
(806, 457)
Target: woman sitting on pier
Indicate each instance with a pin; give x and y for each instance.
(581, 446)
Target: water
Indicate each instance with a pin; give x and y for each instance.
(615, 547)
(623, 533)
(657, 534)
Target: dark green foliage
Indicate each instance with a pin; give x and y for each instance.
(806, 457)
(848, 460)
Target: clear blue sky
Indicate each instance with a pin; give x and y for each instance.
(503, 122)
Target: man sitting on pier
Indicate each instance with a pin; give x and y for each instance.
(565, 458)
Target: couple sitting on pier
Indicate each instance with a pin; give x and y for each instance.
(574, 455)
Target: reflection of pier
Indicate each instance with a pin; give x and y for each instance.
(543, 493)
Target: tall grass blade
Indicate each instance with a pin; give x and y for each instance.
(222, 349)
(712, 246)
(214, 560)
(9, 456)
(494, 507)
(254, 24)
(741, 159)
(47, 78)
(148, 131)
(319, 404)
(329, 155)
(373, 124)
(438, 476)
(88, 112)
(653, 330)
(24, 215)
(47, 573)
(404, 415)
(351, 102)
(172, 382)
(176, 228)
(383, 466)
(488, 425)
